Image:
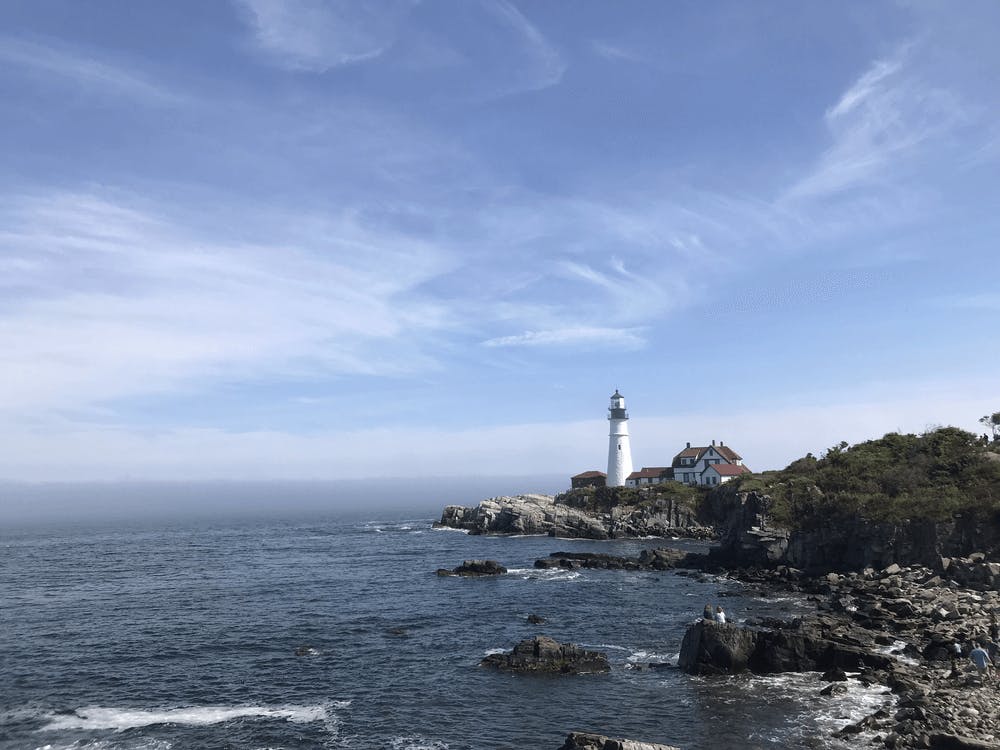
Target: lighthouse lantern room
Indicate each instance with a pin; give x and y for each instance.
(619, 450)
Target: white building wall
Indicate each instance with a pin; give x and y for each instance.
(710, 477)
(619, 453)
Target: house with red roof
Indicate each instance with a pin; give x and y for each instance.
(589, 479)
(708, 464)
(649, 475)
(720, 473)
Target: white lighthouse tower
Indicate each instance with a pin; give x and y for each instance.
(619, 450)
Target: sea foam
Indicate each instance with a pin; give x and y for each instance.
(119, 719)
(417, 743)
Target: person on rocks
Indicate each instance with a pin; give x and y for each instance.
(707, 613)
(981, 659)
(720, 615)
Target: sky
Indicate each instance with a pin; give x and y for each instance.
(325, 239)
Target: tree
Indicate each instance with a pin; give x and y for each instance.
(993, 422)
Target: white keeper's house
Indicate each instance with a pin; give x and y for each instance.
(707, 464)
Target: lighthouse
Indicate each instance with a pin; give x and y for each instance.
(619, 450)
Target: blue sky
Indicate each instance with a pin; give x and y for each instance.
(322, 239)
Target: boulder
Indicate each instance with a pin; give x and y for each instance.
(473, 568)
(656, 559)
(713, 648)
(587, 741)
(834, 675)
(943, 741)
(547, 656)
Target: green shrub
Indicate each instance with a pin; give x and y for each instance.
(933, 476)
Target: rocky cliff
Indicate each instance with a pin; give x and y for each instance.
(749, 536)
(581, 515)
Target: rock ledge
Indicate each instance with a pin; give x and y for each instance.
(544, 655)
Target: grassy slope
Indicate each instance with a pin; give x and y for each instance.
(935, 476)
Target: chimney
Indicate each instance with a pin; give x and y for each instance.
(689, 444)
(713, 442)
(721, 444)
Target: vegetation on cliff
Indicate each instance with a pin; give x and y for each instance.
(603, 499)
(935, 476)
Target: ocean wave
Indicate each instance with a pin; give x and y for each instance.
(119, 719)
(118, 744)
(895, 650)
(821, 715)
(654, 657)
(545, 574)
(397, 527)
(417, 743)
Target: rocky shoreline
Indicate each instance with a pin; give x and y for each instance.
(899, 623)
(534, 514)
(876, 619)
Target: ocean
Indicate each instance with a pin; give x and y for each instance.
(334, 632)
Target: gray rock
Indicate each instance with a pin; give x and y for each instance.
(547, 656)
(711, 648)
(657, 559)
(474, 568)
(944, 741)
(558, 516)
(587, 741)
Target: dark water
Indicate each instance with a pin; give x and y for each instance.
(186, 637)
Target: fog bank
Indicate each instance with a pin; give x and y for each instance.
(100, 502)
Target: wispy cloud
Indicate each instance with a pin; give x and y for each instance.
(532, 60)
(618, 338)
(104, 301)
(98, 75)
(317, 35)
(491, 50)
(615, 52)
(879, 124)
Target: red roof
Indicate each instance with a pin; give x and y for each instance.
(589, 475)
(697, 452)
(650, 472)
(728, 470)
(726, 452)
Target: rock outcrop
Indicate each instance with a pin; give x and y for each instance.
(543, 655)
(587, 741)
(474, 568)
(713, 648)
(542, 514)
(524, 514)
(656, 559)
